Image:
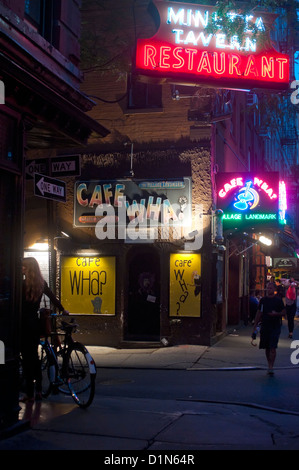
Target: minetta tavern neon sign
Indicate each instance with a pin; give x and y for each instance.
(183, 52)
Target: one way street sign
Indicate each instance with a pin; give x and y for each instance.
(49, 188)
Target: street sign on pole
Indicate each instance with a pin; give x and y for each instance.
(49, 188)
(68, 165)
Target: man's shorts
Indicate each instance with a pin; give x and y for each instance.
(269, 338)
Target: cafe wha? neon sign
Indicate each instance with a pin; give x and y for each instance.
(182, 51)
(249, 198)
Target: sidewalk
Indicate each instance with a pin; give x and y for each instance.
(234, 351)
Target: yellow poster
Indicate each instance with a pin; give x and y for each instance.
(185, 285)
(88, 284)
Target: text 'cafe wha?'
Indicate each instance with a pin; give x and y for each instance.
(183, 51)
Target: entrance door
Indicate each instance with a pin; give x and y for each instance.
(144, 297)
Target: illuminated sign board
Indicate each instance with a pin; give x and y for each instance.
(88, 284)
(185, 285)
(183, 52)
(151, 201)
(248, 199)
(282, 202)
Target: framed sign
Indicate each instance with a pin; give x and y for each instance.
(248, 199)
(185, 285)
(88, 284)
(150, 202)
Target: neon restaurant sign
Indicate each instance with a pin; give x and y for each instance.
(182, 51)
(248, 199)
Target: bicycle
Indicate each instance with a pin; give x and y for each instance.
(67, 367)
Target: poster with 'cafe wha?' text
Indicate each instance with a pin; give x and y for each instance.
(185, 285)
(88, 285)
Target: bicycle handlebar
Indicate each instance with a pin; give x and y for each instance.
(65, 325)
(54, 314)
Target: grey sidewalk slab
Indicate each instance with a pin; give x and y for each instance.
(233, 351)
(155, 425)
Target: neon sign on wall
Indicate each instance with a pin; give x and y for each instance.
(282, 202)
(248, 198)
(183, 52)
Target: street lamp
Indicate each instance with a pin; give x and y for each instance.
(40, 245)
(265, 240)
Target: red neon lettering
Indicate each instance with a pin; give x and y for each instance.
(257, 181)
(216, 62)
(150, 53)
(281, 62)
(233, 63)
(176, 53)
(267, 67)
(204, 63)
(228, 186)
(164, 56)
(195, 63)
(190, 53)
(251, 67)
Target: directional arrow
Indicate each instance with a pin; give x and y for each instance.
(49, 188)
(36, 166)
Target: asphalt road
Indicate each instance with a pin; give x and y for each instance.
(248, 387)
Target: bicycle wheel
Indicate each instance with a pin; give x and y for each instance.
(49, 370)
(81, 374)
(62, 378)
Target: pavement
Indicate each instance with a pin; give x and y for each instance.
(121, 424)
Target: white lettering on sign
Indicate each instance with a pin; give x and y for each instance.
(63, 166)
(36, 167)
(199, 19)
(50, 188)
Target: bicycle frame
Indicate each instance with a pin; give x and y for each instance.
(69, 366)
(58, 372)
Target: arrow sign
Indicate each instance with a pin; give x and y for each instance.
(49, 188)
(40, 165)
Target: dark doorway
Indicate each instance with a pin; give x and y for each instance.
(144, 297)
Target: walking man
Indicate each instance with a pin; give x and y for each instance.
(269, 315)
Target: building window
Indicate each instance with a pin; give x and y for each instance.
(42, 15)
(143, 95)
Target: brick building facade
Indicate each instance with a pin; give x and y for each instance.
(159, 134)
